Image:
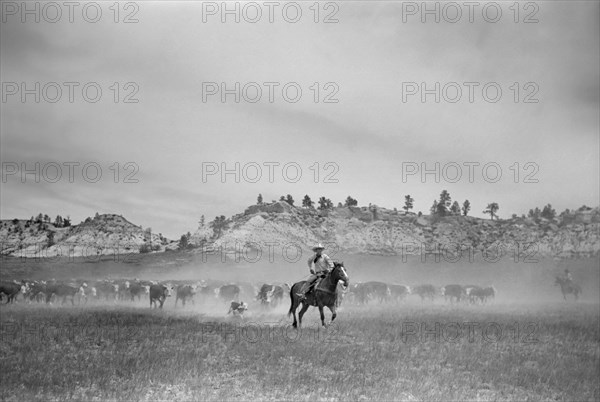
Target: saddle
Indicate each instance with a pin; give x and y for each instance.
(316, 283)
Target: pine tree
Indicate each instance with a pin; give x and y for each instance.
(443, 205)
(455, 209)
(350, 202)
(434, 208)
(325, 203)
(183, 242)
(219, 225)
(491, 209)
(466, 207)
(408, 203)
(307, 202)
(548, 212)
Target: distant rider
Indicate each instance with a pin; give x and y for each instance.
(322, 266)
(568, 276)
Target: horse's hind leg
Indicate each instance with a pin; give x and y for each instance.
(292, 311)
(295, 324)
(293, 307)
(301, 313)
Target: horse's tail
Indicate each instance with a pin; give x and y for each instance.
(291, 301)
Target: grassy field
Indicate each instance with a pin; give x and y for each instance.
(529, 345)
(410, 352)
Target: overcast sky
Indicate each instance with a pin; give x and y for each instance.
(371, 55)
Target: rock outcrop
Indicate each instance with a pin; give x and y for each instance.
(374, 230)
(103, 235)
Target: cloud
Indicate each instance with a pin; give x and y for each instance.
(368, 134)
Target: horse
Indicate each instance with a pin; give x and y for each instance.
(567, 287)
(323, 295)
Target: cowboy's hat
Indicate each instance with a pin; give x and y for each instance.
(318, 246)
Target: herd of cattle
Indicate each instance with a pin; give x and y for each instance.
(268, 295)
(82, 291)
(364, 293)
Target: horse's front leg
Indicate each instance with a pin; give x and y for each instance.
(333, 313)
(322, 315)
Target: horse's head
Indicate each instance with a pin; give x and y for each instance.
(339, 273)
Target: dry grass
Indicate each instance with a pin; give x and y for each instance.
(133, 353)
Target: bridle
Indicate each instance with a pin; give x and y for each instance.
(329, 280)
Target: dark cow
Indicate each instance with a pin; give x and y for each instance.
(376, 291)
(247, 290)
(106, 289)
(184, 293)
(11, 290)
(482, 294)
(270, 295)
(36, 291)
(237, 308)
(425, 292)
(469, 290)
(453, 293)
(358, 293)
(63, 291)
(489, 293)
(137, 289)
(205, 291)
(398, 292)
(228, 292)
(159, 293)
(82, 285)
(123, 292)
